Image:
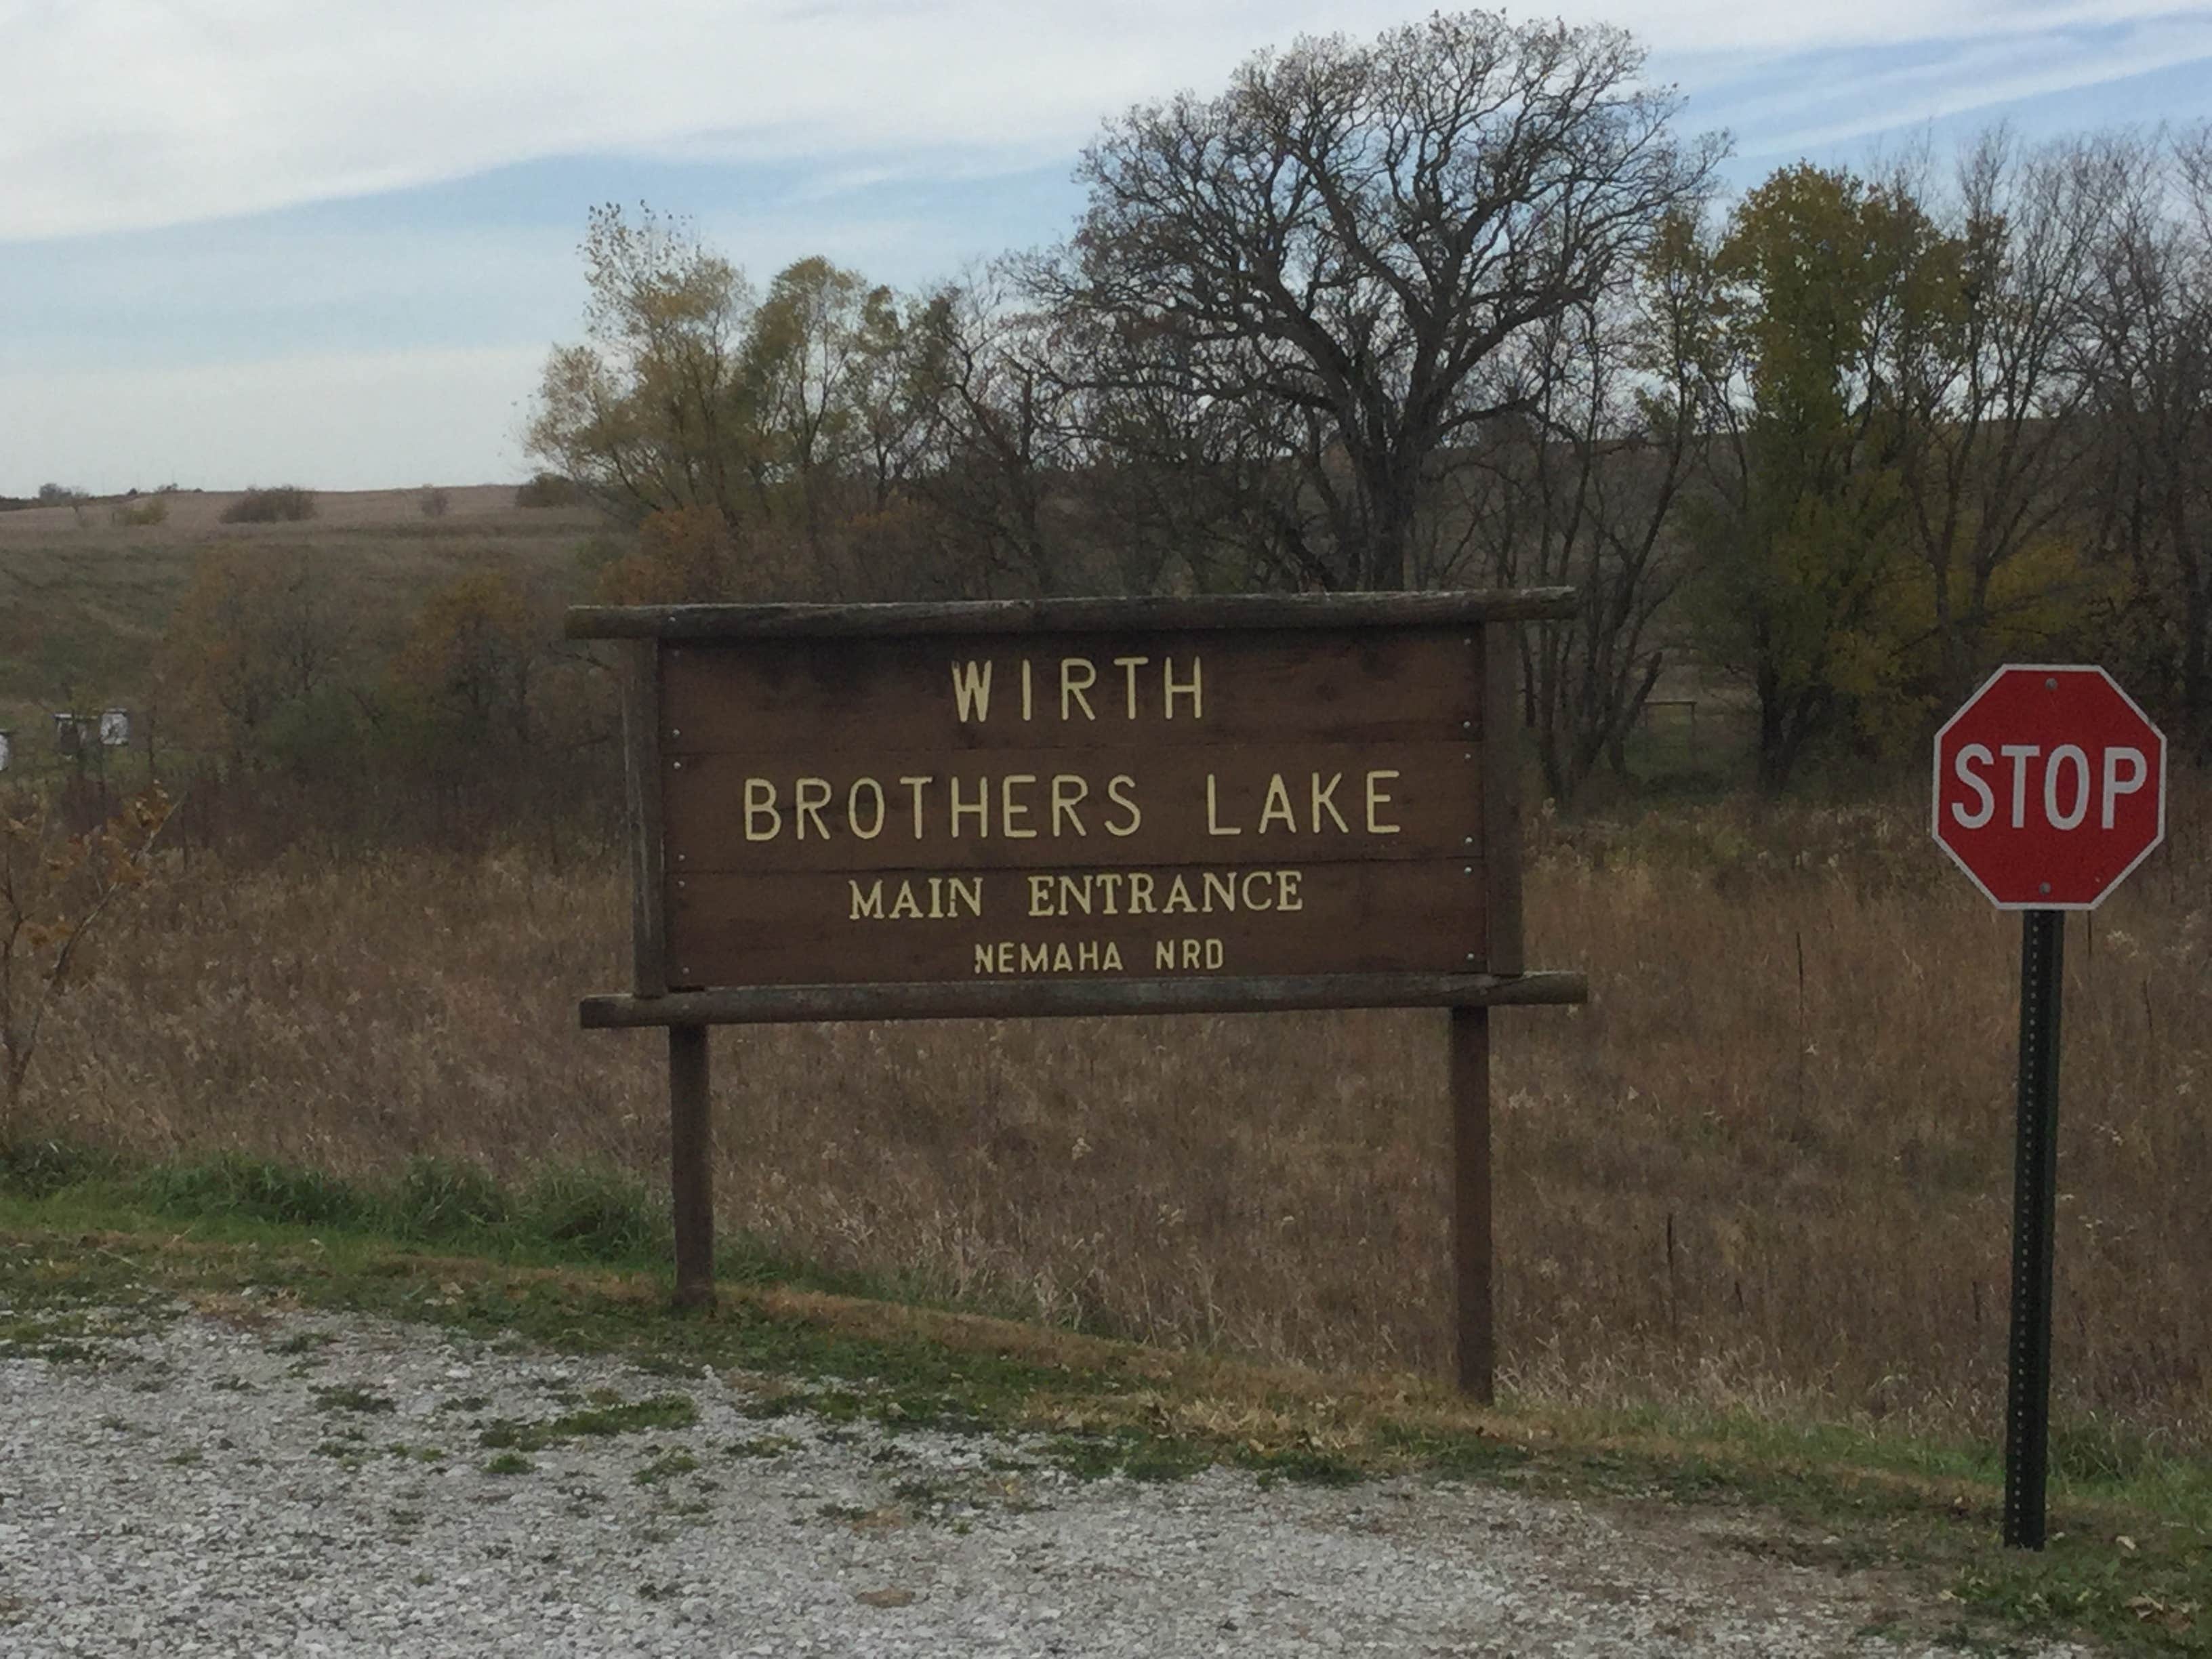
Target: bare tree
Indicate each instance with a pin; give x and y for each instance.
(1984, 386)
(1583, 491)
(2150, 362)
(1350, 231)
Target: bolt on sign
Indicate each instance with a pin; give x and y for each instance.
(2049, 789)
(1084, 807)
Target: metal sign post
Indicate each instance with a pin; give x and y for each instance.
(2049, 789)
(2034, 1216)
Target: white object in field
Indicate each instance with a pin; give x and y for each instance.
(115, 728)
(7, 749)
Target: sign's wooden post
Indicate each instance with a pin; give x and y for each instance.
(1228, 805)
(691, 1164)
(1477, 1344)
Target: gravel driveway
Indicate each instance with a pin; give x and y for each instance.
(342, 1486)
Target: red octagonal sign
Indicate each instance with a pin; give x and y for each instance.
(2050, 786)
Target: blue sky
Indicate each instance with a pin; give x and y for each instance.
(330, 241)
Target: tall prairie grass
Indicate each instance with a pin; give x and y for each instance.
(1769, 1166)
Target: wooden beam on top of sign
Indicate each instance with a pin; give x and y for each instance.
(1068, 999)
(1232, 611)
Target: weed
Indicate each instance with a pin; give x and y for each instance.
(598, 1213)
(762, 1445)
(667, 1464)
(508, 1463)
(349, 1397)
(441, 1198)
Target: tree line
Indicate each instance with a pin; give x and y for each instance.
(1460, 305)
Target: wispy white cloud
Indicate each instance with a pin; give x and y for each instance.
(129, 113)
(1795, 109)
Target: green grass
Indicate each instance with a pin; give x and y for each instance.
(89, 1249)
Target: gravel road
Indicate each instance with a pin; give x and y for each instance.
(323, 1485)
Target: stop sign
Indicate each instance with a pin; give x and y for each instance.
(2050, 786)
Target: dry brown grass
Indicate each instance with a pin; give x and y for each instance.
(1831, 1154)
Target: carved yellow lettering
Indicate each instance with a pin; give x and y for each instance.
(917, 785)
(1163, 954)
(906, 907)
(1117, 791)
(1086, 957)
(1214, 953)
(1278, 807)
(868, 905)
(1006, 956)
(808, 797)
(1213, 824)
(968, 890)
(1324, 801)
(1193, 690)
(979, 809)
(1062, 963)
(1179, 902)
(1264, 877)
(1129, 666)
(1287, 890)
(1010, 810)
(1072, 688)
(1036, 958)
(1028, 688)
(1376, 799)
(1109, 883)
(853, 798)
(971, 691)
(1068, 792)
(1190, 952)
(1041, 896)
(937, 898)
(1074, 896)
(1221, 887)
(986, 959)
(1113, 963)
(760, 804)
(1140, 894)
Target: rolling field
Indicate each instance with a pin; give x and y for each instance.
(83, 599)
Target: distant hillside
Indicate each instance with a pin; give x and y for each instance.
(84, 597)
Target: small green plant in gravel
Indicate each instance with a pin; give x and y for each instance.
(677, 1462)
(508, 1463)
(350, 1397)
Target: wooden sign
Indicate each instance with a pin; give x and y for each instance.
(1081, 807)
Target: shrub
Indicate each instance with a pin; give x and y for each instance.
(435, 502)
(604, 1214)
(548, 489)
(283, 503)
(441, 1198)
(135, 514)
(238, 1183)
(55, 494)
(39, 1168)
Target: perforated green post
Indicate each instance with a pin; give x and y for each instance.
(2034, 1208)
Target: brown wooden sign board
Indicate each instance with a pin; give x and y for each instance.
(1072, 807)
